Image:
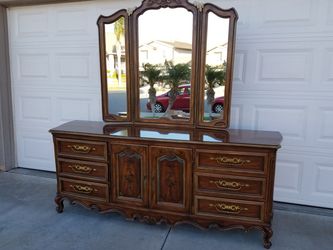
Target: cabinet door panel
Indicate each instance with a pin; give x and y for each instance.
(129, 174)
(171, 178)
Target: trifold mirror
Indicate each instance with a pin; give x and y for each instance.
(168, 62)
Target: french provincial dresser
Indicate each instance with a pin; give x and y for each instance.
(164, 152)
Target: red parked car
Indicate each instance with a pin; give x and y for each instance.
(182, 101)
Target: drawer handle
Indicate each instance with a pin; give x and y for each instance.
(81, 169)
(231, 185)
(83, 189)
(81, 148)
(232, 160)
(228, 209)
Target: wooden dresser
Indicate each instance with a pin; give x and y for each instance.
(203, 177)
(165, 153)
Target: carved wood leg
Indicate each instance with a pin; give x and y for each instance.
(60, 203)
(268, 233)
(149, 220)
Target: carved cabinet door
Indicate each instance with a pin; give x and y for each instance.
(171, 176)
(129, 174)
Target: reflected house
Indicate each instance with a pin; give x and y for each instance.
(112, 55)
(217, 55)
(157, 52)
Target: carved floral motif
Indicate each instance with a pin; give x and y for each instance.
(129, 173)
(170, 168)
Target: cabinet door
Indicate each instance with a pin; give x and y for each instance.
(170, 170)
(129, 174)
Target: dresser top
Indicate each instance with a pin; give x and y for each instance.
(120, 130)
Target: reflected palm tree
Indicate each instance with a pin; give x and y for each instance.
(151, 74)
(119, 31)
(214, 75)
(175, 75)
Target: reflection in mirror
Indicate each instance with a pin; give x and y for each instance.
(167, 136)
(165, 57)
(216, 66)
(116, 131)
(123, 132)
(208, 136)
(116, 67)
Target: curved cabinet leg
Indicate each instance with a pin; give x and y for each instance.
(60, 203)
(268, 233)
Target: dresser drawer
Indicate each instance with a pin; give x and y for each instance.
(83, 188)
(218, 207)
(82, 149)
(232, 185)
(235, 161)
(83, 169)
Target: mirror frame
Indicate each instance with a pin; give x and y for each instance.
(101, 22)
(199, 42)
(156, 5)
(232, 15)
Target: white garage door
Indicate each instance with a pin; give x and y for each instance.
(283, 81)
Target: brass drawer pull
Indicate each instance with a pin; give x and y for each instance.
(81, 148)
(231, 185)
(233, 160)
(83, 189)
(228, 209)
(81, 169)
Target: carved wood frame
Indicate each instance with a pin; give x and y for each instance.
(233, 16)
(153, 5)
(102, 20)
(200, 19)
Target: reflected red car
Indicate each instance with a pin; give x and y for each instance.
(182, 101)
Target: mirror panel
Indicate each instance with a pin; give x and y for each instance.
(116, 67)
(168, 62)
(216, 66)
(165, 61)
(114, 61)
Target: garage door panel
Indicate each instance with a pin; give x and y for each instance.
(58, 66)
(291, 184)
(77, 66)
(270, 117)
(48, 108)
(28, 23)
(35, 108)
(304, 178)
(35, 148)
(79, 108)
(324, 176)
(290, 66)
(53, 22)
(283, 80)
(327, 69)
(31, 65)
(325, 125)
(305, 16)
